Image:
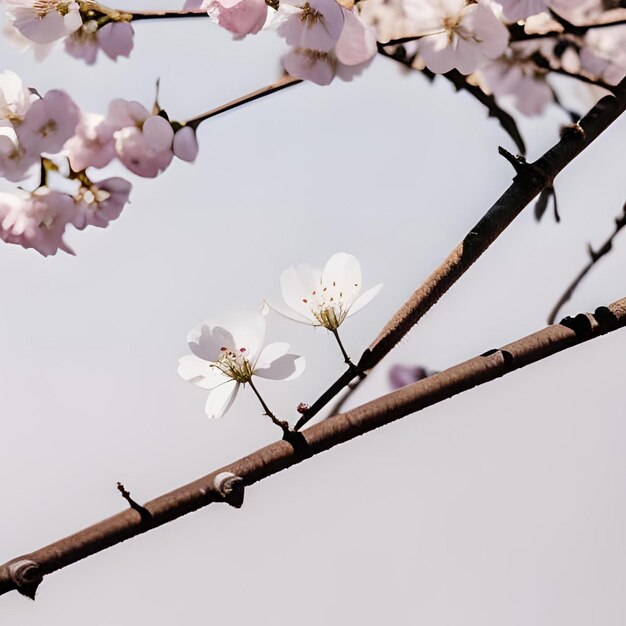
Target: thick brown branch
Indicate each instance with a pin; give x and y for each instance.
(594, 257)
(323, 436)
(526, 185)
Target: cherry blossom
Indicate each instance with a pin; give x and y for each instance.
(15, 98)
(116, 39)
(224, 357)
(185, 144)
(44, 21)
(146, 151)
(100, 202)
(311, 25)
(143, 142)
(520, 9)
(521, 79)
(240, 17)
(456, 34)
(92, 144)
(324, 298)
(353, 52)
(49, 122)
(37, 220)
(15, 161)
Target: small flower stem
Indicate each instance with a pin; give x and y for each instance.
(346, 358)
(279, 85)
(283, 425)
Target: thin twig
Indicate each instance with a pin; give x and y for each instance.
(285, 82)
(284, 426)
(594, 257)
(320, 437)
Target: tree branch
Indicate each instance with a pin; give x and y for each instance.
(285, 82)
(25, 572)
(594, 257)
(528, 182)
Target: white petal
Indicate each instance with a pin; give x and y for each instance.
(344, 270)
(270, 353)
(200, 372)
(220, 399)
(207, 339)
(287, 367)
(289, 313)
(296, 284)
(364, 299)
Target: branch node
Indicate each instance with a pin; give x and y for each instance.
(606, 319)
(574, 130)
(146, 516)
(26, 575)
(519, 163)
(581, 325)
(231, 487)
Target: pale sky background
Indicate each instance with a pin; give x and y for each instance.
(505, 505)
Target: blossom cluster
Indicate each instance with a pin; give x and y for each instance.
(508, 46)
(225, 356)
(51, 137)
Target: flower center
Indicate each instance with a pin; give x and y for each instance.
(328, 305)
(48, 128)
(310, 15)
(235, 364)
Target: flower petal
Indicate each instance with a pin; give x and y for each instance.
(199, 372)
(221, 399)
(296, 284)
(289, 313)
(207, 339)
(364, 299)
(286, 367)
(344, 270)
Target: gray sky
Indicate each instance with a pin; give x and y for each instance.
(503, 505)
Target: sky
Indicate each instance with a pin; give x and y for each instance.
(502, 505)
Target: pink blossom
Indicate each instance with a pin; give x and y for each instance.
(101, 202)
(15, 162)
(49, 122)
(83, 43)
(122, 113)
(15, 98)
(311, 25)
(520, 9)
(146, 151)
(457, 35)
(519, 79)
(44, 21)
(240, 17)
(23, 44)
(93, 144)
(185, 144)
(116, 39)
(38, 220)
(354, 51)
